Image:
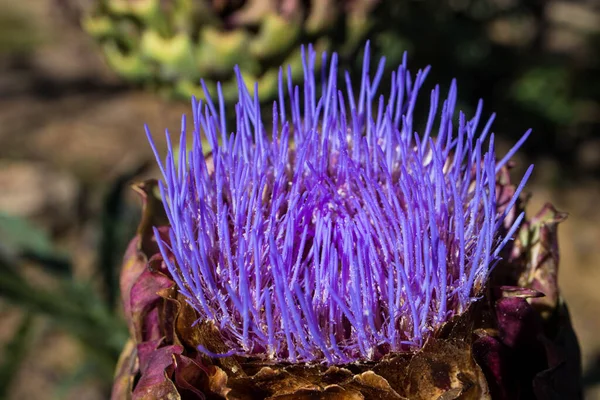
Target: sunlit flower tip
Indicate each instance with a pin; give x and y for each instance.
(342, 229)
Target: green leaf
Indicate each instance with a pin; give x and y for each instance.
(77, 310)
(20, 238)
(18, 233)
(14, 353)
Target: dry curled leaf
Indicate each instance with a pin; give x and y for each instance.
(445, 369)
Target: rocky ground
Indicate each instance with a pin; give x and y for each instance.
(68, 127)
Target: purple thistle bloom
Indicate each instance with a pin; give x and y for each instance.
(344, 235)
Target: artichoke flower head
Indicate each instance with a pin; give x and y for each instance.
(342, 251)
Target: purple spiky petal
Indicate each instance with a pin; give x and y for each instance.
(341, 234)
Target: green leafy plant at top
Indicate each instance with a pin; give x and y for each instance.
(171, 44)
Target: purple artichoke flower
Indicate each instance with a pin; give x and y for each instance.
(344, 250)
(343, 235)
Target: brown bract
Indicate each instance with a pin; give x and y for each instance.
(516, 342)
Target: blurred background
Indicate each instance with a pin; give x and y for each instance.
(79, 78)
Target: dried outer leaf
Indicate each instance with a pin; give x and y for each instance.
(394, 369)
(188, 331)
(534, 353)
(189, 376)
(365, 386)
(518, 323)
(333, 392)
(153, 215)
(445, 369)
(567, 342)
(156, 368)
(461, 326)
(195, 380)
(311, 382)
(516, 328)
(134, 263)
(562, 380)
(373, 386)
(142, 246)
(168, 314)
(280, 382)
(264, 380)
(522, 354)
(511, 354)
(127, 368)
(144, 282)
(145, 350)
(218, 381)
(145, 304)
(211, 339)
(544, 258)
(135, 295)
(491, 356)
(545, 382)
(535, 257)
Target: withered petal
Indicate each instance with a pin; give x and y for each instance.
(144, 298)
(445, 368)
(127, 368)
(154, 382)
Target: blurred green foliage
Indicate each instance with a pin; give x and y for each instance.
(17, 32)
(171, 45)
(15, 352)
(86, 310)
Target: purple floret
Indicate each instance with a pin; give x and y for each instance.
(341, 234)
